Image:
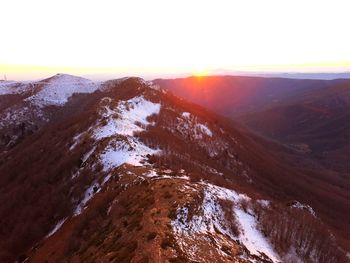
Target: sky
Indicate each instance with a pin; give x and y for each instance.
(164, 38)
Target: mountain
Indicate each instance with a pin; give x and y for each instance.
(316, 122)
(288, 75)
(124, 171)
(234, 95)
(310, 116)
(26, 106)
(312, 75)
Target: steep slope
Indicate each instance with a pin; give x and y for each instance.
(139, 175)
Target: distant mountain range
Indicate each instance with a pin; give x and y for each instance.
(289, 75)
(325, 76)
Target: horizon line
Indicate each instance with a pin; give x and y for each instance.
(32, 72)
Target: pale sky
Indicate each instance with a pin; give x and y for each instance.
(172, 37)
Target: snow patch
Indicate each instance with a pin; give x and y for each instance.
(76, 141)
(205, 129)
(264, 203)
(308, 208)
(125, 118)
(186, 114)
(226, 194)
(88, 154)
(106, 179)
(153, 86)
(56, 227)
(151, 174)
(212, 214)
(252, 238)
(210, 218)
(131, 151)
(164, 175)
(89, 193)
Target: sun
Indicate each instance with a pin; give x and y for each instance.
(201, 71)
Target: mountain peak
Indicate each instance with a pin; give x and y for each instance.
(67, 76)
(59, 88)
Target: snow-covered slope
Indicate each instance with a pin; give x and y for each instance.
(211, 218)
(123, 122)
(127, 117)
(118, 125)
(25, 111)
(58, 89)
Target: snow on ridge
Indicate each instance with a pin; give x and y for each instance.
(11, 87)
(123, 120)
(115, 130)
(121, 123)
(58, 89)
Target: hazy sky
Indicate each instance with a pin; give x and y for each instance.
(173, 37)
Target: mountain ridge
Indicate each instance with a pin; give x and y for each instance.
(103, 191)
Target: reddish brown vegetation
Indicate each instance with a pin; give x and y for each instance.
(294, 230)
